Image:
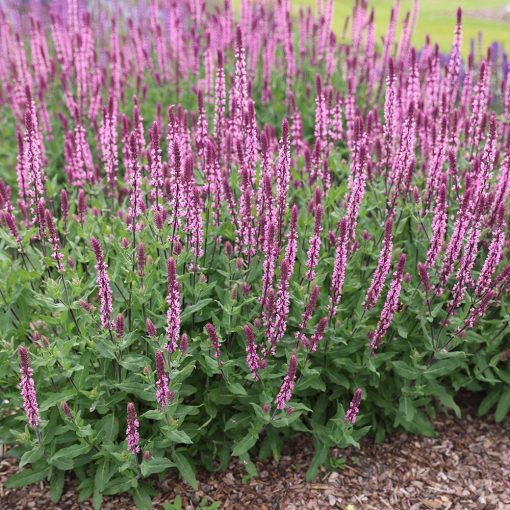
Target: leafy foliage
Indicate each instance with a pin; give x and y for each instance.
(85, 374)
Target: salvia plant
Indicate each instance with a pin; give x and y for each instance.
(220, 229)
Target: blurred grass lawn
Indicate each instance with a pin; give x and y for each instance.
(436, 18)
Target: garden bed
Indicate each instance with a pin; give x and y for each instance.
(465, 467)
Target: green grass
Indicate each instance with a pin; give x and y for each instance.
(436, 18)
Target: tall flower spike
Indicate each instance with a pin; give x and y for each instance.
(54, 241)
(282, 305)
(312, 256)
(307, 315)
(163, 395)
(282, 177)
(353, 411)
(339, 267)
(132, 435)
(438, 226)
(319, 334)
(28, 389)
(174, 307)
(213, 337)
(494, 254)
(252, 357)
(287, 388)
(390, 306)
(383, 266)
(136, 204)
(103, 281)
(455, 243)
(468, 259)
(64, 205)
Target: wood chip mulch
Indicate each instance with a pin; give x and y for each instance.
(467, 466)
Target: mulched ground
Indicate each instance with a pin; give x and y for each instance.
(467, 466)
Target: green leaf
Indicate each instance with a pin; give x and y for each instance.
(26, 477)
(56, 485)
(142, 499)
(237, 389)
(31, 456)
(155, 465)
(185, 469)
(503, 407)
(103, 474)
(63, 459)
(178, 436)
(190, 310)
(247, 442)
(489, 400)
(107, 428)
(320, 457)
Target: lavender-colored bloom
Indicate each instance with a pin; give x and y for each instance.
(136, 205)
(390, 306)
(82, 205)
(213, 337)
(467, 261)
(494, 254)
(183, 346)
(476, 312)
(281, 308)
(307, 315)
(66, 411)
(312, 256)
(103, 281)
(357, 179)
(271, 254)
(32, 161)
(119, 325)
(64, 205)
(174, 307)
(383, 267)
(132, 435)
(455, 244)
(282, 177)
(163, 395)
(438, 227)
(285, 393)
(339, 267)
(151, 329)
(424, 276)
(28, 389)
(141, 258)
(10, 221)
(353, 411)
(319, 334)
(252, 357)
(155, 167)
(54, 241)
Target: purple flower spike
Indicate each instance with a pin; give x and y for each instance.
(353, 411)
(28, 389)
(132, 435)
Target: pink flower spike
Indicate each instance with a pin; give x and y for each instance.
(213, 337)
(28, 389)
(285, 393)
(383, 266)
(163, 395)
(252, 357)
(353, 411)
(103, 281)
(132, 435)
(174, 307)
(390, 306)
